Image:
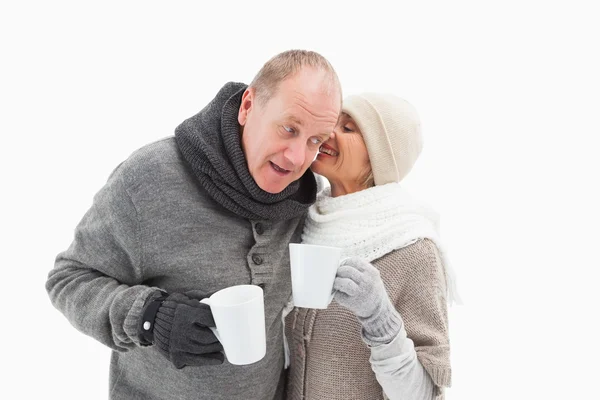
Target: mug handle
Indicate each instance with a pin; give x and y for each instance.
(206, 301)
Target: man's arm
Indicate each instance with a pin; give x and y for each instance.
(95, 283)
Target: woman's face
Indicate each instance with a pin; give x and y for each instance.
(343, 158)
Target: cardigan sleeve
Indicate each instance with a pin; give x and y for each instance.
(416, 282)
(399, 372)
(425, 314)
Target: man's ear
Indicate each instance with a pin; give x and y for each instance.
(248, 99)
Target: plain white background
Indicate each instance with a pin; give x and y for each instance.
(508, 92)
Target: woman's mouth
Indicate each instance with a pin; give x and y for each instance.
(324, 149)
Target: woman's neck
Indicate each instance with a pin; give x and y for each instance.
(343, 188)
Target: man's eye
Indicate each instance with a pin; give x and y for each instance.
(315, 140)
(288, 129)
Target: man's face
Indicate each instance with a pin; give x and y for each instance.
(282, 137)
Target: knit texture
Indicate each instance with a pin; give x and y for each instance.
(372, 222)
(153, 226)
(182, 334)
(391, 129)
(358, 288)
(210, 141)
(329, 359)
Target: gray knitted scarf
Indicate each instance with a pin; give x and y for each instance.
(210, 142)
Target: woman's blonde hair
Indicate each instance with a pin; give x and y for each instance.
(369, 179)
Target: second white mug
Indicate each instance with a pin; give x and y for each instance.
(313, 270)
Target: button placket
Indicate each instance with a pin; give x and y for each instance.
(259, 228)
(258, 258)
(260, 265)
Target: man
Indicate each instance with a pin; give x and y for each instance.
(214, 206)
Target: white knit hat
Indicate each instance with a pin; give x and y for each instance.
(392, 132)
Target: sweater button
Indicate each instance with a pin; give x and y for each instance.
(260, 229)
(257, 259)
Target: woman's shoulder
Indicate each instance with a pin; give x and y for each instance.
(417, 262)
(418, 250)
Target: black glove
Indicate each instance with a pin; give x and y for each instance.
(180, 330)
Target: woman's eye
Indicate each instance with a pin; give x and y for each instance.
(347, 129)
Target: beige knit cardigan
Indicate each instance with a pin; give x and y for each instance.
(330, 361)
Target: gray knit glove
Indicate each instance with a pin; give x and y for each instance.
(359, 288)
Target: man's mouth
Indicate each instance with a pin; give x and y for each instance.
(328, 150)
(278, 169)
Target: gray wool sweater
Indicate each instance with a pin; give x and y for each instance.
(152, 226)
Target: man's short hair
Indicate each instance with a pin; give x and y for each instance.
(285, 65)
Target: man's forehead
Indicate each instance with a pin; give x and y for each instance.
(301, 115)
(318, 101)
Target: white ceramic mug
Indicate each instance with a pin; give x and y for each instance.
(239, 314)
(313, 269)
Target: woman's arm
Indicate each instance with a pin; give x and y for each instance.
(399, 371)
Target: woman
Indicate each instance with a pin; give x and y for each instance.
(386, 333)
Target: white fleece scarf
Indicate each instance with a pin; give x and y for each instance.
(373, 222)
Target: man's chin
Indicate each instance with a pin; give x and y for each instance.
(274, 183)
(272, 187)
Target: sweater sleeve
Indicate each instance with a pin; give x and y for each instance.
(425, 313)
(399, 372)
(416, 284)
(95, 283)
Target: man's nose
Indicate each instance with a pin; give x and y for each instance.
(296, 153)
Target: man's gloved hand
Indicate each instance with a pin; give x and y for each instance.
(359, 288)
(181, 331)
